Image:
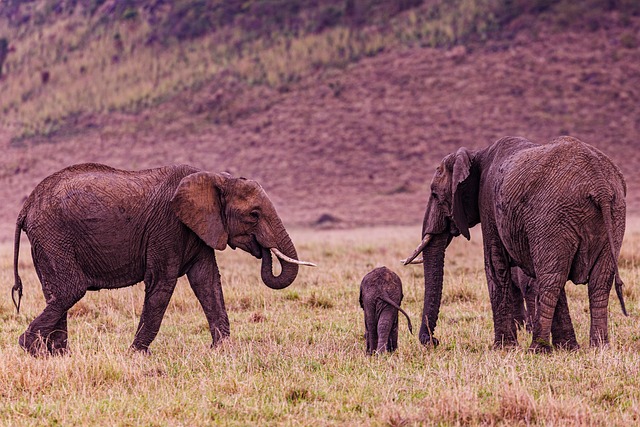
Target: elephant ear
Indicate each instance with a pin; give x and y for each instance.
(464, 187)
(197, 203)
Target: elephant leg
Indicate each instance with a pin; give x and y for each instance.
(156, 299)
(57, 343)
(371, 328)
(384, 327)
(599, 288)
(528, 291)
(500, 292)
(531, 298)
(549, 286)
(47, 333)
(392, 345)
(562, 332)
(35, 338)
(205, 281)
(519, 312)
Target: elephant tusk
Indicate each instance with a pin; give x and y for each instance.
(291, 260)
(419, 249)
(415, 261)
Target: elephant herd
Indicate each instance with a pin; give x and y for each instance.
(548, 213)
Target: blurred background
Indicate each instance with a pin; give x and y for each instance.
(340, 108)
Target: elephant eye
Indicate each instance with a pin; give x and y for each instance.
(255, 214)
(434, 195)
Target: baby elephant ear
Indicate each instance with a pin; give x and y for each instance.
(197, 203)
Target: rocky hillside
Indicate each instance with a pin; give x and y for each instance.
(355, 143)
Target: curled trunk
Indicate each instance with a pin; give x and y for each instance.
(289, 270)
(433, 255)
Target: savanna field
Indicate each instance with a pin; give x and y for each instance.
(341, 110)
(297, 356)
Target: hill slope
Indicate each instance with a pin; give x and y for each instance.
(357, 145)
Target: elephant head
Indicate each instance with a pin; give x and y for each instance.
(223, 210)
(451, 210)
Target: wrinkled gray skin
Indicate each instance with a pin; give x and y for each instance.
(380, 298)
(93, 227)
(525, 311)
(557, 211)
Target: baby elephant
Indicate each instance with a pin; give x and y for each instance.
(380, 297)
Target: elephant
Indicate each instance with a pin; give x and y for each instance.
(380, 298)
(557, 211)
(93, 227)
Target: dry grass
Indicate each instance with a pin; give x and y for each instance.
(296, 357)
(116, 70)
(98, 69)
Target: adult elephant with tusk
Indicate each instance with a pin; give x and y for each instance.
(557, 211)
(94, 227)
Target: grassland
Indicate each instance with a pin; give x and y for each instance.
(296, 356)
(125, 61)
(99, 64)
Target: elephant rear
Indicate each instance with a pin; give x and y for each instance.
(566, 223)
(566, 196)
(380, 298)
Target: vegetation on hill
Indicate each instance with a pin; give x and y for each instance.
(66, 58)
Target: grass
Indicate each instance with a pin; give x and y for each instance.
(297, 356)
(97, 65)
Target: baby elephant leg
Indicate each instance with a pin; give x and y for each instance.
(387, 330)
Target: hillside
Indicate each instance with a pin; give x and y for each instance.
(351, 143)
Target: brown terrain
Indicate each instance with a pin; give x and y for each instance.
(358, 146)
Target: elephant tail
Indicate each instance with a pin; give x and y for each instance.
(393, 304)
(17, 287)
(605, 208)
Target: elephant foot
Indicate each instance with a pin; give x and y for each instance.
(598, 343)
(34, 344)
(219, 342)
(57, 347)
(140, 349)
(429, 341)
(61, 352)
(540, 346)
(505, 341)
(505, 345)
(567, 345)
(58, 350)
(385, 349)
(505, 338)
(599, 340)
(218, 336)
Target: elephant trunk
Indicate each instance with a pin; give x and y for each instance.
(433, 256)
(289, 269)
